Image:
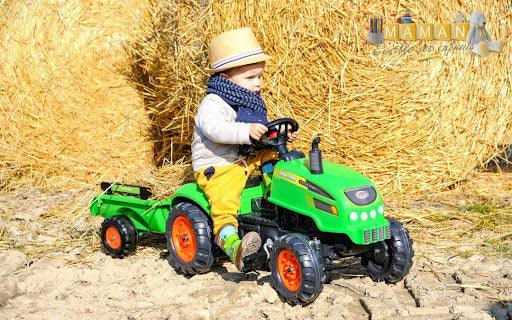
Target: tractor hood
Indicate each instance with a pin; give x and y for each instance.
(334, 180)
(339, 200)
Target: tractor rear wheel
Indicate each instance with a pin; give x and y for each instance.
(390, 260)
(189, 239)
(118, 236)
(296, 272)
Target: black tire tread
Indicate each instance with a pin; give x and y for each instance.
(128, 234)
(311, 269)
(402, 253)
(203, 232)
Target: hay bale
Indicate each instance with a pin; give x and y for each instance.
(69, 118)
(412, 121)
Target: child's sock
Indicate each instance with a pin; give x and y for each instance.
(229, 241)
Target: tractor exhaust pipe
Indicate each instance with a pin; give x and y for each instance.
(315, 157)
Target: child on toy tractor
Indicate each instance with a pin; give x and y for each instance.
(230, 115)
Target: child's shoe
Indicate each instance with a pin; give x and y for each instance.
(250, 244)
(235, 248)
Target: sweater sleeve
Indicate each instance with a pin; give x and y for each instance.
(212, 119)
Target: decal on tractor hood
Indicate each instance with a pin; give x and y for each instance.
(361, 196)
(301, 182)
(316, 189)
(290, 177)
(287, 176)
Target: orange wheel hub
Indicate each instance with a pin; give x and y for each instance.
(183, 238)
(113, 238)
(289, 270)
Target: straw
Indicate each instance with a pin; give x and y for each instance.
(69, 118)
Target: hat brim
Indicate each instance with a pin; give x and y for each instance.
(239, 63)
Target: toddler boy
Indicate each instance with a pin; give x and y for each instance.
(231, 113)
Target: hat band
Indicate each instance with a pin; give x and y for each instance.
(235, 58)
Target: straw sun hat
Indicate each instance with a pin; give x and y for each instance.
(234, 48)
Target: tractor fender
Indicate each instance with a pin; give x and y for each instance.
(190, 192)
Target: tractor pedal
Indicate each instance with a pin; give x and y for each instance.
(257, 219)
(255, 261)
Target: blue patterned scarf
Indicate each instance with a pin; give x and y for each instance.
(249, 106)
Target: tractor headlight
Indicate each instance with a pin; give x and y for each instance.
(362, 196)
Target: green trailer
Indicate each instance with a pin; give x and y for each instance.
(308, 212)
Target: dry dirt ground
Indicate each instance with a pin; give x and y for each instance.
(51, 267)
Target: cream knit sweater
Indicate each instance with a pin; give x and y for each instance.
(217, 135)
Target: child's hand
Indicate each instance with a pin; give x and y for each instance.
(292, 135)
(256, 130)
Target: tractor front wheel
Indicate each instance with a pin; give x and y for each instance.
(189, 239)
(118, 236)
(296, 272)
(391, 259)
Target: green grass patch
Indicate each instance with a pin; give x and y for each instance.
(484, 207)
(501, 247)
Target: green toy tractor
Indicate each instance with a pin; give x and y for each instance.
(308, 212)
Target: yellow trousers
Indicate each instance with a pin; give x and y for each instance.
(224, 187)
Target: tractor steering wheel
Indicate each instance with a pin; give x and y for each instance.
(277, 135)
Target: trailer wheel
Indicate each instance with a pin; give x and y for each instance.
(296, 272)
(118, 236)
(390, 260)
(189, 239)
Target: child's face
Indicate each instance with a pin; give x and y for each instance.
(248, 76)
